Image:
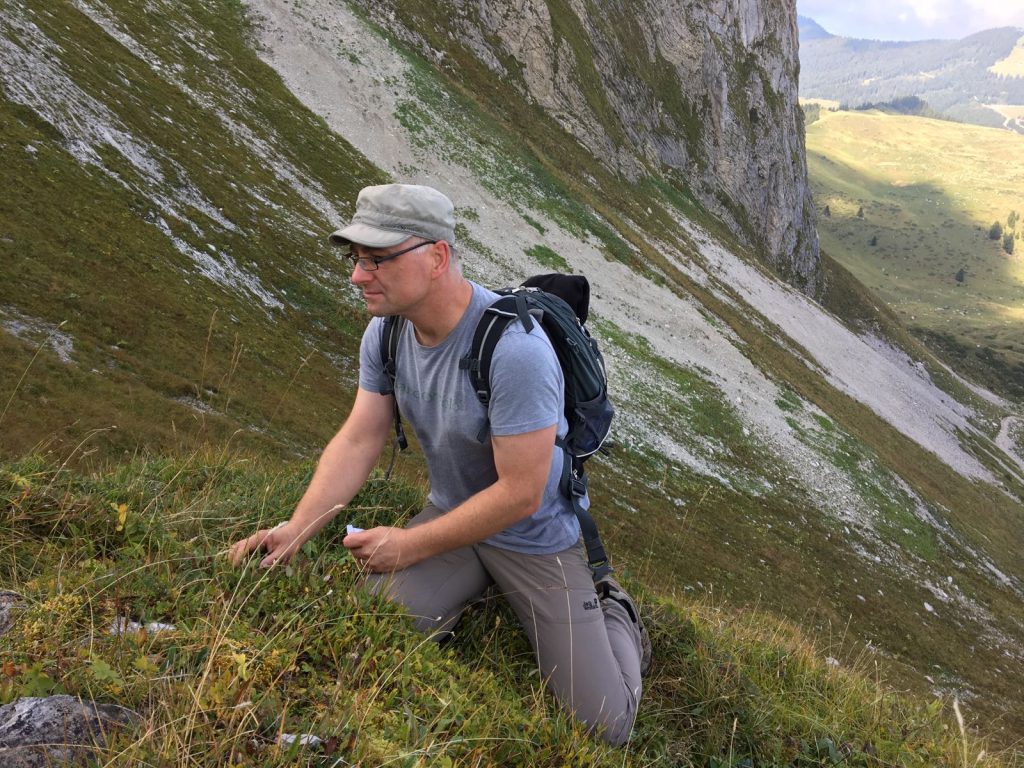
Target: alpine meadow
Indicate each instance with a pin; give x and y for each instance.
(816, 483)
(924, 213)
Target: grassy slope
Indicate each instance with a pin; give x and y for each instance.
(647, 501)
(1012, 65)
(79, 248)
(930, 190)
(254, 654)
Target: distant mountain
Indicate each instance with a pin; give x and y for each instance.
(811, 30)
(955, 77)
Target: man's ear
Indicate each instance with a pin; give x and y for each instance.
(441, 253)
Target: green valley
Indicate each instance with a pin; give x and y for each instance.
(908, 205)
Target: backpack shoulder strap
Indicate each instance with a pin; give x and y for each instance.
(574, 485)
(495, 319)
(390, 334)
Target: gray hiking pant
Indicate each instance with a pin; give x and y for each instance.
(588, 651)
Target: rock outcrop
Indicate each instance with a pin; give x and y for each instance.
(707, 91)
(56, 730)
(9, 603)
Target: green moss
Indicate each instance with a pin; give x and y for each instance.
(789, 401)
(534, 223)
(548, 258)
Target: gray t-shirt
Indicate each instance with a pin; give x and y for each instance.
(437, 400)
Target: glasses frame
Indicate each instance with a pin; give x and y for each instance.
(364, 262)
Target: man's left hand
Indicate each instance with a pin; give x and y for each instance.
(383, 549)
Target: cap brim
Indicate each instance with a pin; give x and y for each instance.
(371, 237)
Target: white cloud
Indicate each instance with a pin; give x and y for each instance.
(932, 13)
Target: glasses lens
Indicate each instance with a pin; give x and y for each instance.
(366, 264)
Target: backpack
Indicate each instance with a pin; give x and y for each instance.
(560, 303)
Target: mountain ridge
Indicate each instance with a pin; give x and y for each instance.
(953, 76)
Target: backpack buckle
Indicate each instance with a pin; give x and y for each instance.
(578, 485)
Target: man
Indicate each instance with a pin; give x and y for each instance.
(495, 514)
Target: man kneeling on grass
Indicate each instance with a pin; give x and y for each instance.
(495, 514)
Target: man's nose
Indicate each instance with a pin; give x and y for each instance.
(360, 276)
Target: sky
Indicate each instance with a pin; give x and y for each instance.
(912, 19)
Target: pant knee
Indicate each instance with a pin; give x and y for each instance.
(614, 728)
(424, 614)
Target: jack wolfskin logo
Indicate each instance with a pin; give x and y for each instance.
(590, 605)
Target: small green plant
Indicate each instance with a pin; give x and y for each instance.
(548, 258)
(534, 223)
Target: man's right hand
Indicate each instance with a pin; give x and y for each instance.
(279, 543)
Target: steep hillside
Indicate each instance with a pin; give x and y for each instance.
(969, 80)
(166, 273)
(706, 95)
(164, 245)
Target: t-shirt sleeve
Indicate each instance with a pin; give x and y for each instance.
(526, 383)
(371, 370)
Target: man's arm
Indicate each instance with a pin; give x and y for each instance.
(522, 463)
(342, 469)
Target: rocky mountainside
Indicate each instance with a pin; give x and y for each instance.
(706, 90)
(167, 284)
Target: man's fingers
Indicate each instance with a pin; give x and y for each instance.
(269, 560)
(240, 549)
(282, 551)
(354, 541)
(274, 553)
(363, 544)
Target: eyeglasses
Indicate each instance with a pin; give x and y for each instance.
(371, 263)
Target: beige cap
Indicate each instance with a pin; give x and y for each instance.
(388, 214)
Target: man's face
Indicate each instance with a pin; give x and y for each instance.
(392, 279)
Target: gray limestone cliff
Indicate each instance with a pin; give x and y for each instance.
(706, 92)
